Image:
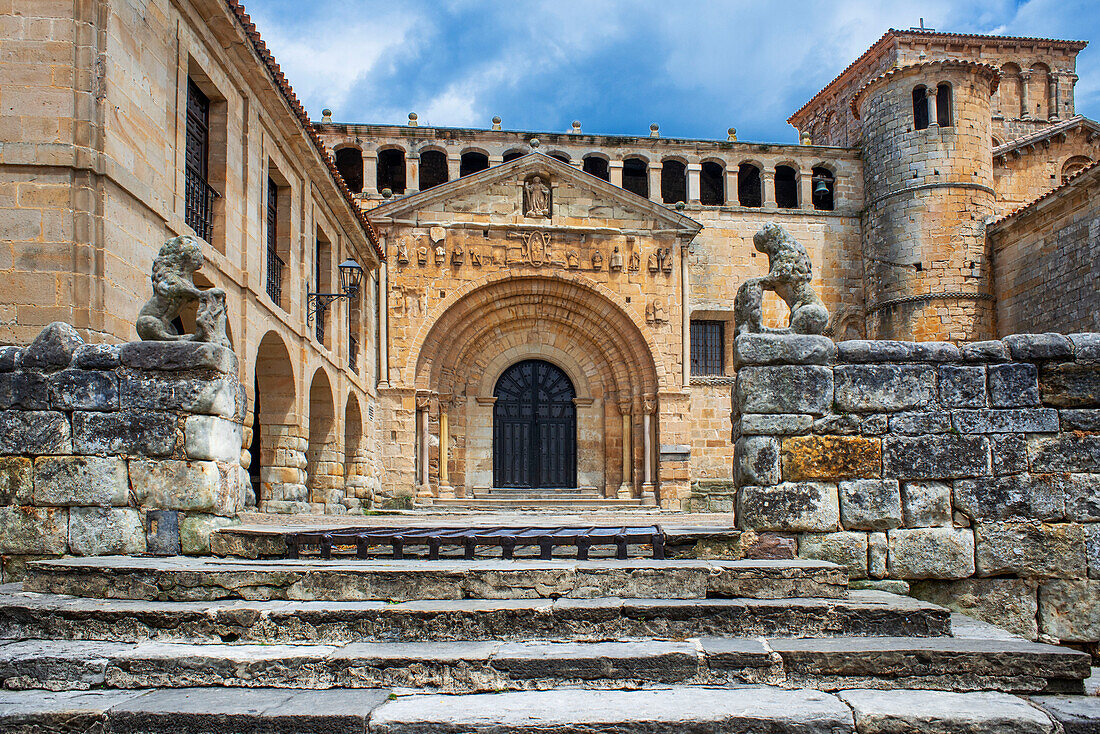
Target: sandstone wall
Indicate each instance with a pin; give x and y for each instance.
(972, 473)
(93, 437)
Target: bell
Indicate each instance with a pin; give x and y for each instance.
(821, 188)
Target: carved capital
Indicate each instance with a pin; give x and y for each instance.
(649, 403)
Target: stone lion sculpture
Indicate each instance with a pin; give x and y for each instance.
(173, 289)
(789, 274)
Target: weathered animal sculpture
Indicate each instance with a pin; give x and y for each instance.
(789, 275)
(173, 289)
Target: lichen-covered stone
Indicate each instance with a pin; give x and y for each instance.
(845, 424)
(81, 480)
(217, 439)
(196, 529)
(764, 349)
(1034, 347)
(1087, 419)
(845, 549)
(34, 432)
(97, 357)
(10, 357)
(875, 424)
(1012, 497)
(784, 389)
(792, 506)
(1030, 549)
(183, 485)
(874, 350)
(105, 531)
(782, 424)
(26, 530)
(1013, 385)
(876, 388)
(1082, 493)
(52, 348)
(1011, 420)
(1070, 610)
(962, 387)
(16, 480)
(920, 423)
(179, 356)
(1092, 548)
(24, 389)
(877, 555)
(937, 456)
(148, 391)
(1010, 604)
(83, 390)
(926, 504)
(831, 457)
(757, 460)
(935, 352)
(1009, 453)
(931, 553)
(1066, 452)
(870, 504)
(129, 433)
(1070, 385)
(987, 351)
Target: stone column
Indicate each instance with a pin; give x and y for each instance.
(446, 491)
(626, 488)
(767, 182)
(806, 190)
(615, 173)
(496, 160)
(694, 171)
(933, 112)
(649, 406)
(1025, 113)
(1055, 100)
(370, 172)
(422, 404)
(654, 181)
(383, 324)
(685, 314)
(454, 167)
(412, 173)
(731, 186)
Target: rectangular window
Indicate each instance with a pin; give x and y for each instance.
(275, 263)
(198, 194)
(708, 347)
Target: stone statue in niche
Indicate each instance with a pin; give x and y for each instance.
(403, 252)
(616, 263)
(573, 260)
(597, 260)
(422, 255)
(655, 312)
(635, 262)
(173, 288)
(536, 197)
(789, 276)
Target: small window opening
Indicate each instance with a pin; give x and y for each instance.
(636, 176)
(597, 167)
(560, 156)
(823, 183)
(943, 105)
(708, 347)
(748, 185)
(433, 169)
(673, 182)
(1073, 166)
(198, 194)
(391, 170)
(512, 155)
(349, 162)
(920, 108)
(786, 187)
(472, 162)
(712, 184)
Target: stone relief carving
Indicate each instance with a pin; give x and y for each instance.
(635, 262)
(406, 301)
(475, 257)
(573, 259)
(536, 197)
(174, 288)
(440, 254)
(422, 256)
(666, 261)
(655, 312)
(437, 234)
(649, 403)
(789, 276)
(597, 260)
(403, 252)
(652, 263)
(458, 255)
(616, 263)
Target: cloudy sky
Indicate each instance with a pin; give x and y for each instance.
(695, 67)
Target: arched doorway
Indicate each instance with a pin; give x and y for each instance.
(322, 457)
(534, 427)
(276, 433)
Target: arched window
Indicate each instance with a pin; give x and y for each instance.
(349, 162)
(636, 176)
(920, 107)
(673, 182)
(786, 187)
(512, 155)
(391, 170)
(597, 167)
(560, 156)
(748, 185)
(823, 183)
(433, 169)
(944, 113)
(1038, 92)
(712, 184)
(1074, 165)
(472, 162)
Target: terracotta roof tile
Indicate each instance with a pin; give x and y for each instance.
(996, 73)
(1045, 132)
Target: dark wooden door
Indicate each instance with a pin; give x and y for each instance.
(534, 427)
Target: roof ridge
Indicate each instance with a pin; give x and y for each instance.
(988, 37)
(1045, 132)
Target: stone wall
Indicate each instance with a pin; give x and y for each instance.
(94, 436)
(970, 472)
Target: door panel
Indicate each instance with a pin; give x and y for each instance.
(534, 427)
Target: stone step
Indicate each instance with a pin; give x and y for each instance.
(865, 613)
(505, 492)
(182, 578)
(665, 710)
(555, 504)
(471, 667)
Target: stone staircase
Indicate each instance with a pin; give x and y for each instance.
(204, 644)
(508, 499)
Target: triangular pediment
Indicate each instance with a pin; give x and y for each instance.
(498, 192)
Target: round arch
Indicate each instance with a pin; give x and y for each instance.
(276, 429)
(353, 439)
(322, 457)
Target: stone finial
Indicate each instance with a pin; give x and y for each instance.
(413, 119)
(496, 122)
(174, 288)
(654, 130)
(326, 115)
(805, 139)
(576, 127)
(789, 276)
(534, 143)
(731, 135)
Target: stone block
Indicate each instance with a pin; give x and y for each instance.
(217, 439)
(838, 425)
(870, 504)
(1011, 604)
(1036, 347)
(150, 391)
(34, 432)
(1086, 347)
(934, 352)
(831, 457)
(33, 530)
(1070, 385)
(1012, 497)
(198, 486)
(16, 480)
(962, 387)
(1080, 420)
(83, 390)
(179, 356)
(885, 387)
(196, 529)
(792, 506)
(1092, 549)
(987, 351)
(917, 424)
(1066, 452)
(781, 424)
(128, 433)
(81, 480)
(105, 531)
(97, 357)
(52, 348)
(931, 553)
(845, 549)
(938, 456)
(875, 424)
(784, 389)
(926, 504)
(1069, 611)
(1076, 714)
(943, 712)
(1082, 493)
(768, 546)
(1009, 453)
(1013, 385)
(767, 349)
(877, 555)
(24, 389)
(874, 350)
(1012, 420)
(757, 460)
(1031, 549)
(10, 357)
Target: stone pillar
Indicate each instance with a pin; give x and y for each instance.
(370, 172)
(424, 491)
(685, 315)
(933, 111)
(1025, 113)
(806, 190)
(654, 181)
(626, 488)
(412, 173)
(446, 491)
(649, 406)
(615, 173)
(496, 160)
(1055, 98)
(694, 171)
(731, 186)
(767, 182)
(383, 324)
(454, 166)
